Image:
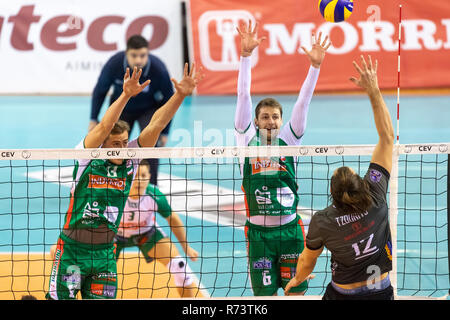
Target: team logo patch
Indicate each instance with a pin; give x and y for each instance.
(375, 175)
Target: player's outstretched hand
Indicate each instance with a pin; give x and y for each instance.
(294, 282)
(131, 86)
(190, 80)
(192, 253)
(367, 75)
(249, 38)
(317, 52)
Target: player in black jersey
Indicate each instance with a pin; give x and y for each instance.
(355, 228)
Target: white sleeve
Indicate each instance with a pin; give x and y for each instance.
(243, 124)
(80, 146)
(293, 131)
(243, 116)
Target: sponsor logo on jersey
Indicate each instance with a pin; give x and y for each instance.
(103, 290)
(260, 165)
(100, 182)
(289, 258)
(375, 175)
(105, 276)
(263, 263)
(359, 229)
(287, 272)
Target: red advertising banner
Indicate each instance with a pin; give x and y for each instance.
(280, 65)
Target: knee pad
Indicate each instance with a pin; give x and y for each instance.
(181, 272)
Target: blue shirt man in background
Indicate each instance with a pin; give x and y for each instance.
(141, 107)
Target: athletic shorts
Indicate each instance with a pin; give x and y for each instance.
(145, 242)
(272, 256)
(384, 294)
(91, 269)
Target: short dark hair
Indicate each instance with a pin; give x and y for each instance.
(268, 102)
(136, 42)
(120, 127)
(144, 163)
(349, 192)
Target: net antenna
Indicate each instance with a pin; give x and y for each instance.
(398, 71)
(393, 198)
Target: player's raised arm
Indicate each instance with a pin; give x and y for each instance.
(101, 131)
(249, 41)
(300, 111)
(368, 80)
(149, 136)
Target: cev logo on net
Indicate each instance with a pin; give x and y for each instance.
(225, 22)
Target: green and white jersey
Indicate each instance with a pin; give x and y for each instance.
(269, 183)
(139, 214)
(99, 192)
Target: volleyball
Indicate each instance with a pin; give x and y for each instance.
(336, 10)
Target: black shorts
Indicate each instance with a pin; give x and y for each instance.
(385, 294)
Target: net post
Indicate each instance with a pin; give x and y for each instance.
(393, 213)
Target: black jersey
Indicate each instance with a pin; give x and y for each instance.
(360, 243)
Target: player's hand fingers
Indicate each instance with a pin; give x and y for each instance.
(318, 40)
(133, 75)
(126, 76)
(261, 40)
(199, 75)
(324, 42)
(306, 51)
(138, 76)
(370, 63)
(357, 67)
(329, 44)
(175, 82)
(255, 28)
(363, 63)
(192, 70)
(146, 83)
(186, 66)
(354, 80)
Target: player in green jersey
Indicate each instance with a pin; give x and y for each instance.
(273, 230)
(85, 254)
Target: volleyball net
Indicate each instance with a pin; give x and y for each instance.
(203, 186)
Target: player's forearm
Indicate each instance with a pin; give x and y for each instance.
(300, 111)
(101, 131)
(243, 114)
(382, 118)
(159, 121)
(112, 114)
(304, 268)
(177, 227)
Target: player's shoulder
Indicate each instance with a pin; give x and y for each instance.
(375, 172)
(153, 190)
(325, 214)
(115, 60)
(156, 63)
